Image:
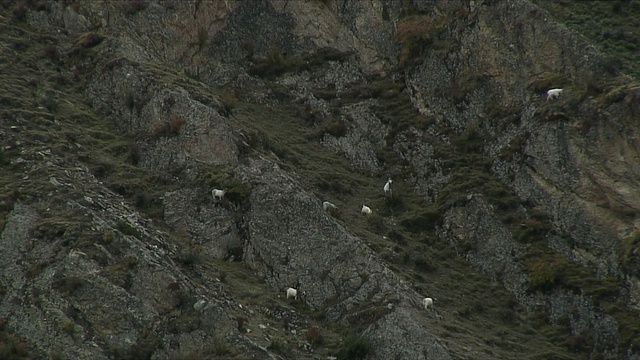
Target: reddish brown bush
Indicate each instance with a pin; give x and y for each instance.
(176, 123)
(313, 336)
(169, 129)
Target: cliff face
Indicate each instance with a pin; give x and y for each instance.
(516, 213)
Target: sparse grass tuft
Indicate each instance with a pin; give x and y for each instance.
(127, 229)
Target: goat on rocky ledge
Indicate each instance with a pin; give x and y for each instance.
(553, 93)
(292, 293)
(428, 303)
(218, 194)
(387, 187)
(328, 206)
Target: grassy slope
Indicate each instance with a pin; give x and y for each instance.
(611, 25)
(471, 173)
(50, 112)
(471, 303)
(431, 265)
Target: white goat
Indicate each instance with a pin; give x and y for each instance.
(553, 93)
(328, 206)
(218, 194)
(387, 187)
(366, 210)
(292, 293)
(428, 303)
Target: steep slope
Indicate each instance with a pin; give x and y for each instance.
(119, 118)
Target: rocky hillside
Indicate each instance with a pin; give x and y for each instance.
(516, 213)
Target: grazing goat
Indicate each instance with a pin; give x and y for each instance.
(387, 187)
(218, 194)
(366, 210)
(553, 93)
(428, 303)
(328, 206)
(292, 293)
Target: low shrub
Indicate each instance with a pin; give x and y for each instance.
(240, 321)
(355, 347)
(132, 7)
(279, 347)
(191, 255)
(220, 346)
(68, 284)
(336, 128)
(69, 327)
(313, 336)
(228, 101)
(88, 40)
(546, 273)
(171, 128)
(127, 229)
(51, 52)
(19, 12)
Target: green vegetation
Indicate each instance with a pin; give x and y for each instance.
(68, 284)
(220, 346)
(546, 274)
(278, 63)
(69, 327)
(127, 229)
(355, 347)
(191, 254)
(611, 25)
